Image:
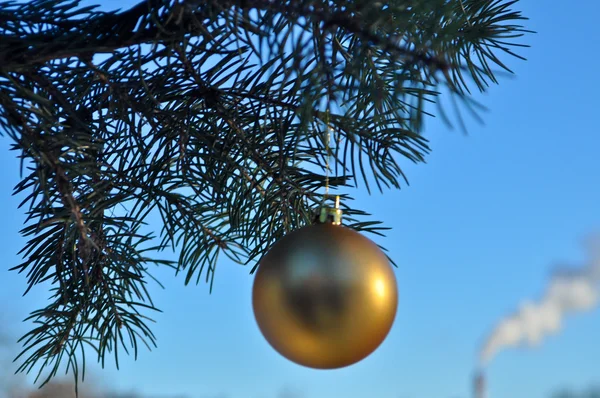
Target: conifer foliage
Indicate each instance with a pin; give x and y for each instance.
(210, 116)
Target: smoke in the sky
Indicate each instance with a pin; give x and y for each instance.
(569, 291)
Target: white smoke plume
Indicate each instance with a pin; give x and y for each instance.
(569, 291)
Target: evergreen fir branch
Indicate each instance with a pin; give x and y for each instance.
(210, 115)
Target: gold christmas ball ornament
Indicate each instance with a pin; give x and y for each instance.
(325, 296)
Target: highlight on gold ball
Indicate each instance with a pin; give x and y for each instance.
(325, 296)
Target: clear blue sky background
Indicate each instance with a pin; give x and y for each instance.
(476, 232)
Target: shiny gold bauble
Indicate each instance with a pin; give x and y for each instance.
(325, 296)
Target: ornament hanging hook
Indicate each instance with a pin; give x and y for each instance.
(332, 215)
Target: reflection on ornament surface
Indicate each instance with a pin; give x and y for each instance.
(325, 296)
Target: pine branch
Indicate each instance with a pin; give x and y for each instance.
(102, 32)
(210, 115)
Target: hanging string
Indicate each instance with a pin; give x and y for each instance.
(334, 214)
(328, 151)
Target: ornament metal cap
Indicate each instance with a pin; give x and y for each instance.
(332, 215)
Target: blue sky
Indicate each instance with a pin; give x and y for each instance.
(476, 232)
